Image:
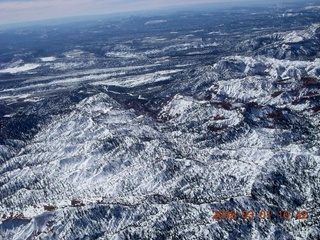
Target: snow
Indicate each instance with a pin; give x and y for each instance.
(312, 7)
(294, 37)
(75, 53)
(48, 59)
(123, 55)
(139, 80)
(212, 33)
(155, 22)
(154, 40)
(24, 68)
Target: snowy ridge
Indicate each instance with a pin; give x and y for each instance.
(294, 44)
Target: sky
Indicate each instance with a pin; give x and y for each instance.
(30, 10)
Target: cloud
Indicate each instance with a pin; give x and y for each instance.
(28, 10)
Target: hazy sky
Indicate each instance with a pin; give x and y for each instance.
(28, 10)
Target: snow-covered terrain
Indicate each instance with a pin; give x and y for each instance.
(145, 140)
(23, 68)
